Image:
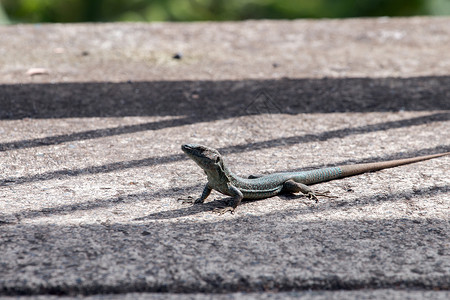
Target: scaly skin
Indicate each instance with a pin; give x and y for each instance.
(221, 179)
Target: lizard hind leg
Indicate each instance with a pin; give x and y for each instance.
(290, 186)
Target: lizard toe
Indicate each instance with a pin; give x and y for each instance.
(223, 210)
(190, 200)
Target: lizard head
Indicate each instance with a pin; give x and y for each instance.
(208, 159)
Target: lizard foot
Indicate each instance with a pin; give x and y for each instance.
(189, 199)
(222, 210)
(313, 195)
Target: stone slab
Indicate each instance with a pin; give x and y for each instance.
(92, 117)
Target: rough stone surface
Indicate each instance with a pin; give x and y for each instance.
(91, 122)
(380, 47)
(313, 295)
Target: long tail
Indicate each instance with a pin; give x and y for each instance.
(326, 174)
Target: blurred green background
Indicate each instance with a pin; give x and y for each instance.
(38, 11)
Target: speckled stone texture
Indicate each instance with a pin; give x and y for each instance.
(92, 117)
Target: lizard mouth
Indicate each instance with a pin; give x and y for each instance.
(199, 151)
(191, 149)
(187, 148)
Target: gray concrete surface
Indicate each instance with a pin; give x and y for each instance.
(314, 295)
(91, 122)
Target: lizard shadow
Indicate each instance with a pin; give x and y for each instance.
(310, 206)
(192, 209)
(188, 210)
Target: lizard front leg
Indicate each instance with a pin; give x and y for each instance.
(291, 186)
(237, 198)
(206, 191)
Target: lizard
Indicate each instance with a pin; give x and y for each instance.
(223, 180)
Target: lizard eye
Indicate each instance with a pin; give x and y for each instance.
(217, 159)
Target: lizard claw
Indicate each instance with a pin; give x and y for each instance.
(188, 199)
(326, 194)
(222, 210)
(313, 195)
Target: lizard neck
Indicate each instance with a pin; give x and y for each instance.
(222, 175)
(229, 174)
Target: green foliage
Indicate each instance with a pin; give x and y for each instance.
(202, 10)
